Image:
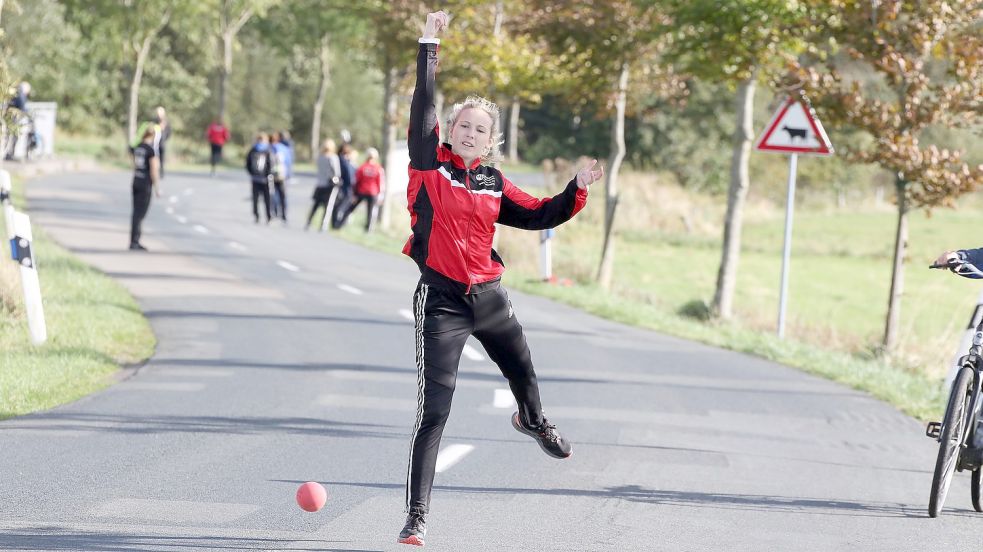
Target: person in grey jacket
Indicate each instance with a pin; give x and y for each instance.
(328, 183)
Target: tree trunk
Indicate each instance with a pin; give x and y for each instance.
(723, 299)
(389, 115)
(513, 135)
(897, 274)
(605, 271)
(142, 54)
(223, 74)
(322, 92)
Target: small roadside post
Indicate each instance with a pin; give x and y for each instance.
(23, 254)
(794, 130)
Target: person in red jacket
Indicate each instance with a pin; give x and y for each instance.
(217, 136)
(370, 181)
(454, 202)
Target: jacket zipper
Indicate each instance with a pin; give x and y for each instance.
(467, 239)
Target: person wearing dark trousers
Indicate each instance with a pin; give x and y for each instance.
(282, 157)
(259, 166)
(217, 135)
(163, 135)
(146, 174)
(326, 188)
(369, 180)
(347, 186)
(454, 202)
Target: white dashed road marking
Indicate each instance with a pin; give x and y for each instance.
(173, 199)
(473, 353)
(288, 266)
(201, 229)
(504, 399)
(170, 210)
(350, 289)
(182, 220)
(451, 455)
(237, 246)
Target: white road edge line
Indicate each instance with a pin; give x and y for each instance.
(201, 229)
(473, 353)
(289, 266)
(350, 289)
(407, 314)
(450, 455)
(504, 399)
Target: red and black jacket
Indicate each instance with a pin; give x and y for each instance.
(453, 208)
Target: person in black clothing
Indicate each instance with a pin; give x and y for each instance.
(455, 203)
(146, 174)
(347, 186)
(259, 165)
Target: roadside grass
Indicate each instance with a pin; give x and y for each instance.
(94, 326)
(665, 273)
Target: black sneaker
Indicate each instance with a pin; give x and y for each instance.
(546, 435)
(414, 530)
(137, 247)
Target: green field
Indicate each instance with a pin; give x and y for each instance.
(840, 276)
(93, 324)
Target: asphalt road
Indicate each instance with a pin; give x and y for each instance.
(286, 356)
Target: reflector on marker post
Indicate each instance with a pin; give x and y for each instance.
(21, 251)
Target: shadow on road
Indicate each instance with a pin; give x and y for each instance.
(56, 538)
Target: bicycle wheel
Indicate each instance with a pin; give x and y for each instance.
(976, 490)
(953, 433)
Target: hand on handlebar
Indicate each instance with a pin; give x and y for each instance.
(949, 259)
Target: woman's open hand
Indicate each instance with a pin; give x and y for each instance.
(436, 22)
(587, 175)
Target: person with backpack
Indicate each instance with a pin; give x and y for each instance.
(259, 165)
(369, 185)
(455, 202)
(328, 182)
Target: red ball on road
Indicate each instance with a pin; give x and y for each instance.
(311, 496)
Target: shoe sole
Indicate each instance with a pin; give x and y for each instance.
(518, 427)
(412, 540)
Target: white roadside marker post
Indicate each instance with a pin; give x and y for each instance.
(5, 200)
(20, 250)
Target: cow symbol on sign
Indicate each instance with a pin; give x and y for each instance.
(794, 133)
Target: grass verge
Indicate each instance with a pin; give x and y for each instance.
(94, 326)
(914, 392)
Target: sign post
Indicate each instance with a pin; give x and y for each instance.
(794, 129)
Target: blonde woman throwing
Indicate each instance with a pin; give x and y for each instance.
(454, 202)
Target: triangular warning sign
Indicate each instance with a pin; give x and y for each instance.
(795, 129)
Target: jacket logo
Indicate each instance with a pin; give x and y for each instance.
(485, 179)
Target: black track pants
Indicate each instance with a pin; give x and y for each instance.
(444, 320)
(261, 189)
(141, 204)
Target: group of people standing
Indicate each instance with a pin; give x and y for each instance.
(341, 188)
(270, 161)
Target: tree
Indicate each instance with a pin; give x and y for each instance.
(232, 16)
(738, 42)
(135, 25)
(311, 28)
(922, 66)
(598, 44)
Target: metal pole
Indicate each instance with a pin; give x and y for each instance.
(787, 251)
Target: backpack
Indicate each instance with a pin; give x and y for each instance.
(258, 162)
